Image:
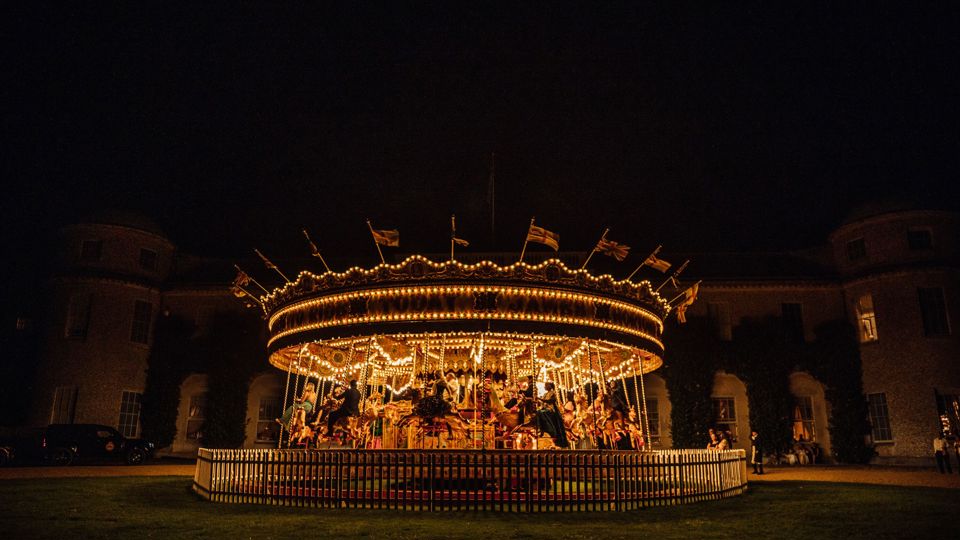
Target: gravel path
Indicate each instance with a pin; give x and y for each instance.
(897, 476)
(859, 474)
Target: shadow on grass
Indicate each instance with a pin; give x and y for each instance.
(167, 507)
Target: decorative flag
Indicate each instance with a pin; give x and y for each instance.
(453, 233)
(543, 236)
(689, 296)
(266, 261)
(386, 238)
(658, 264)
(313, 247)
(673, 277)
(242, 280)
(613, 249)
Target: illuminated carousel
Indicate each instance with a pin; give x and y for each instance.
(506, 344)
(440, 385)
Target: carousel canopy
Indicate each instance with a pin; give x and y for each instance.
(420, 315)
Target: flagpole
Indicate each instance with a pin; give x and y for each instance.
(316, 252)
(270, 265)
(594, 250)
(526, 239)
(375, 242)
(684, 292)
(674, 275)
(246, 292)
(453, 233)
(645, 261)
(255, 282)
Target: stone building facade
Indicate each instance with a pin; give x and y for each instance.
(893, 272)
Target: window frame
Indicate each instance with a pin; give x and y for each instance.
(129, 422)
(856, 249)
(140, 328)
(934, 316)
(866, 319)
(196, 416)
(875, 417)
(732, 421)
(152, 255)
(267, 419)
(84, 254)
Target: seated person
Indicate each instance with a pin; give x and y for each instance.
(349, 407)
(301, 406)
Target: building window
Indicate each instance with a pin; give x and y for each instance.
(90, 250)
(933, 308)
(268, 430)
(948, 405)
(867, 319)
(725, 415)
(140, 329)
(719, 313)
(64, 405)
(792, 322)
(803, 419)
(148, 259)
(129, 425)
(653, 418)
(78, 316)
(195, 417)
(856, 250)
(919, 239)
(879, 417)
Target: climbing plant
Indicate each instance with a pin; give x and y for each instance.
(233, 351)
(693, 354)
(834, 359)
(172, 357)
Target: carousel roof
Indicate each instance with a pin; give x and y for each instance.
(456, 315)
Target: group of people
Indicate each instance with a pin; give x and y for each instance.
(303, 407)
(719, 439)
(941, 452)
(722, 440)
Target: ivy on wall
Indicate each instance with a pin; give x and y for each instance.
(172, 357)
(230, 352)
(233, 351)
(762, 357)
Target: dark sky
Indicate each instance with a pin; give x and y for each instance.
(733, 125)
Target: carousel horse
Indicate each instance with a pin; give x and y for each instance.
(434, 409)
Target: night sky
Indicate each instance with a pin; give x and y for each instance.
(729, 126)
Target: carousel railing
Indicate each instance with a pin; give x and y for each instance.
(497, 480)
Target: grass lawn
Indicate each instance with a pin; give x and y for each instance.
(163, 507)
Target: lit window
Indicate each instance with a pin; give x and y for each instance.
(856, 249)
(725, 415)
(78, 316)
(148, 259)
(793, 322)
(268, 430)
(140, 329)
(129, 425)
(64, 405)
(803, 419)
(919, 239)
(195, 417)
(90, 250)
(867, 318)
(719, 313)
(879, 417)
(933, 309)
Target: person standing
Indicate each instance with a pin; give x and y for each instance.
(756, 457)
(940, 453)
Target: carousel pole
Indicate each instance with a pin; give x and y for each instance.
(593, 405)
(482, 404)
(646, 417)
(286, 394)
(533, 367)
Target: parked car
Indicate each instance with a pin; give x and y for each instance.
(63, 444)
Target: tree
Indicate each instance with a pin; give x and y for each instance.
(692, 356)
